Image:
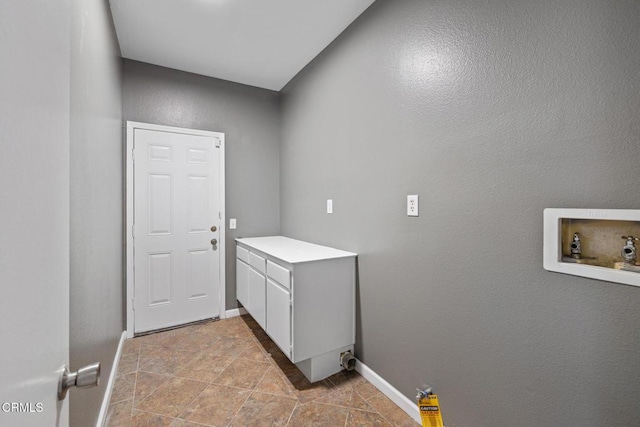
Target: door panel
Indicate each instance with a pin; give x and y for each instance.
(279, 316)
(159, 280)
(242, 283)
(176, 202)
(257, 296)
(159, 204)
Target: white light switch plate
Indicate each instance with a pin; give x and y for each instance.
(330, 206)
(232, 223)
(412, 205)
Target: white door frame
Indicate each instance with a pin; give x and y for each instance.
(131, 126)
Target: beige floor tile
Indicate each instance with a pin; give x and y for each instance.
(156, 338)
(216, 405)
(355, 381)
(243, 373)
(172, 397)
(231, 346)
(346, 397)
(318, 415)
(306, 391)
(128, 363)
(366, 419)
(389, 410)
(273, 383)
(190, 341)
(147, 419)
(131, 345)
(184, 423)
(205, 366)
(162, 360)
(147, 383)
(255, 352)
(234, 327)
(123, 387)
(119, 414)
(264, 410)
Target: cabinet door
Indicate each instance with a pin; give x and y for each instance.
(279, 316)
(242, 283)
(257, 296)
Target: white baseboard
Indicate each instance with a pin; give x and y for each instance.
(102, 417)
(235, 312)
(406, 404)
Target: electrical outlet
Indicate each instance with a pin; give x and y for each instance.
(412, 205)
(329, 206)
(232, 223)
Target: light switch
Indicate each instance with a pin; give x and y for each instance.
(330, 206)
(232, 223)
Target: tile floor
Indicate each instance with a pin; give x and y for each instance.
(229, 373)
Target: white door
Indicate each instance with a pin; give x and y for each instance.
(177, 220)
(34, 212)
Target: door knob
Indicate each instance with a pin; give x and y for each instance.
(214, 228)
(214, 242)
(87, 376)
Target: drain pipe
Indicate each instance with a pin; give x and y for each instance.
(347, 361)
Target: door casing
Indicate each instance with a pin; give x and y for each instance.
(131, 126)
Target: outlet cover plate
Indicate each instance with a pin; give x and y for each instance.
(412, 205)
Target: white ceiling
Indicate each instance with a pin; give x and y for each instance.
(262, 43)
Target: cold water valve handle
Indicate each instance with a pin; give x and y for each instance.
(576, 246)
(423, 392)
(629, 250)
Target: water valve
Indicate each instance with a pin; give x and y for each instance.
(576, 246)
(629, 250)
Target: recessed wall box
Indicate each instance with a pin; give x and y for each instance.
(595, 243)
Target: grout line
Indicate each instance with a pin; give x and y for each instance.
(292, 412)
(240, 408)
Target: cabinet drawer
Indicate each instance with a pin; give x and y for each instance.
(257, 262)
(279, 274)
(242, 253)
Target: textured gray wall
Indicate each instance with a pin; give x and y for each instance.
(96, 287)
(250, 119)
(491, 111)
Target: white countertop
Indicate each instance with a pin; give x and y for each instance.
(293, 251)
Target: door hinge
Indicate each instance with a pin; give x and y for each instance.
(133, 304)
(133, 231)
(218, 142)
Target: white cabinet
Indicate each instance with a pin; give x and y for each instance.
(303, 296)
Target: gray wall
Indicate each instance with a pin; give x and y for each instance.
(96, 288)
(491, 111)
(250, 119)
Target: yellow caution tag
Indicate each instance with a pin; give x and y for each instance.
(430, 411)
